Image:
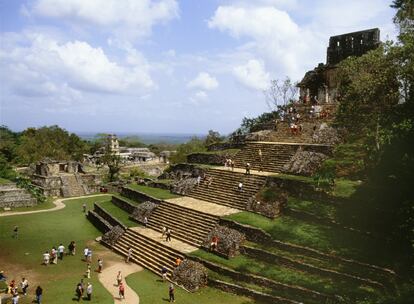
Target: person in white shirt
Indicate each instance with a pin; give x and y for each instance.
(89, 291)
(61, 251)
(24, 284)
(46, 258)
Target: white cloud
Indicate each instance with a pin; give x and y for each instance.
(253, 75)
(42, 66)
(204, 81)
(125, 18)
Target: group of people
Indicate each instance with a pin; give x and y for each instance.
(82, 289)
(164, 274)
(13, 289)
(55, 254)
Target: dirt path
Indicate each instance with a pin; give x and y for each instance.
(108, 280)
(58, 205)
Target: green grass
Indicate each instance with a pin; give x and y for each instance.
(287, 275)
(151, 290)
(321, 237)
(154, 192)
(4, 181)
(38, 233)
(320, 209)
(345, 187)
(118, 213)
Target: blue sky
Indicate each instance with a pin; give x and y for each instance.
(164, 66)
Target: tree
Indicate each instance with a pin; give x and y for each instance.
(281, 93)
(212, 137)
(113, 162)
(194, 145)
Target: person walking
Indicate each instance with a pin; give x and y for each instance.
(53, 255)
(247, 168)
(198, 180)
(164, 272)
(46, 258)
(61, 251)
(84, 207)
(39, 293)
(85, 253)
(89, 291)
(129, 255)
(72, 248)
(79, 291)
(16, 232)
(121, 291)
(232, 165)
(24, 284)
(15, 298)
(260, 160)
(164, 231)
(145, 222)
(100, 265)
(168, 238)
(171, 292)
(88, 271)
(89, 256)
(119, 278)
(240, 187)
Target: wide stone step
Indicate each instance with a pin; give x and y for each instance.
(186, 211)
(182, 236)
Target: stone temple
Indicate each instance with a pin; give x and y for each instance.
(321, 83)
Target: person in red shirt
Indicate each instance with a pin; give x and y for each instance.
(121, 291)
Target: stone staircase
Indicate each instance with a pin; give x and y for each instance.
(223, 189)
(71, 186)
(12, 197)
(274, 156)
(283, 132)
(187, 225)
(147, 252)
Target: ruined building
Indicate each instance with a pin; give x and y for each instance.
(321, 83)
(64, 178)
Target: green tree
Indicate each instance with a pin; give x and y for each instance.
(212, 138)
(195, 144)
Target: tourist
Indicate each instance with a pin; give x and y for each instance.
(2, 276)
(247, 168)
(129, 254)
(15, 298)
(121, 291)
(260, 160)
(85, 253)
(171, 292)
(119, 278)
(16, 232)
(164, 231)
(214, 243)
(164, 272)
(61, 251)
(232, 165)
(168, 235)
(12, 288)
(240, 187)
(89, 256)
(198, 180)
(24, 284)
(72, 248)
(89, 291)
(88, 271)
(53, 256)
(79, 291)
(84, 207)
(39, 293)
(145, 221)
(178, 262)
(100, 265)
(46, 258)
(226, 163)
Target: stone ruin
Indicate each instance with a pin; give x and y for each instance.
(64, 178)
(12, 197)
(322, 82)
(191, 275)
(229, 240)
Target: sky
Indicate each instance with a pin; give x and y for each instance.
(162, 66)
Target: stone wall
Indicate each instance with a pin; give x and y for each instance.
(13, 197)
(113, 221)
(207, 158)
(180, 171)
(50, 185)
(123, 204)
(138, 196)
(100, 223)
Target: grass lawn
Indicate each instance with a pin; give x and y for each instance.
(321, 237)
(151, 290)
(319, 209)
(117, 212)
(154, 192)
(38, 233)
